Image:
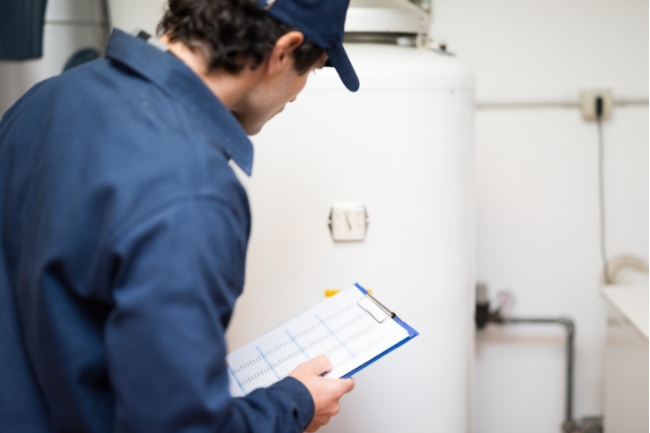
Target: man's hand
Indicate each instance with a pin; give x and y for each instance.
(325, 392)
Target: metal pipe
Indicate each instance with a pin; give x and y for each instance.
(569, 424)
(522, 104)
(490, 105)
(108, 24)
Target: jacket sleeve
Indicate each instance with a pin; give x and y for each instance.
(177, 277)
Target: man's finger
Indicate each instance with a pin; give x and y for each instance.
(321, 364)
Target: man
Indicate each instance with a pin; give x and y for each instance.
(124, 229)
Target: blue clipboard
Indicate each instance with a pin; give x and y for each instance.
(412, 333)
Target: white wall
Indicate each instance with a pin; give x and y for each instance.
(129, 15)
(537, 190)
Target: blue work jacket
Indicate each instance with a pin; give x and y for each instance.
(124, 235)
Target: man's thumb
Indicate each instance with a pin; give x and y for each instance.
(348, 385)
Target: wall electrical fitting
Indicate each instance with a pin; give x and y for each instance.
(589, 101)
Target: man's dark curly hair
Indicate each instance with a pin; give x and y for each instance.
(230, 33)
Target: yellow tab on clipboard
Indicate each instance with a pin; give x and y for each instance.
(331, 292)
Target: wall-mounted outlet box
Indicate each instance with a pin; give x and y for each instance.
(588, 99)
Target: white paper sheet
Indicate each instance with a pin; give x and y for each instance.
(337, 327)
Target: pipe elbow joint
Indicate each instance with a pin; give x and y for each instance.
(568, 323)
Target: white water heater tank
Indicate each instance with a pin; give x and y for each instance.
(402, 147)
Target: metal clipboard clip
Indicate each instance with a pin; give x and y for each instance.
(375, 308)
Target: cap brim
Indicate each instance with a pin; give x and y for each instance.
(338, 58)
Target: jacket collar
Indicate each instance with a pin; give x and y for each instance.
(178, 80)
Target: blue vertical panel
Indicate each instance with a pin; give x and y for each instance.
(21, 29)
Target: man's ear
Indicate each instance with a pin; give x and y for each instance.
(282, 55)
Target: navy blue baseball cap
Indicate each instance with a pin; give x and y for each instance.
(322, 22)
